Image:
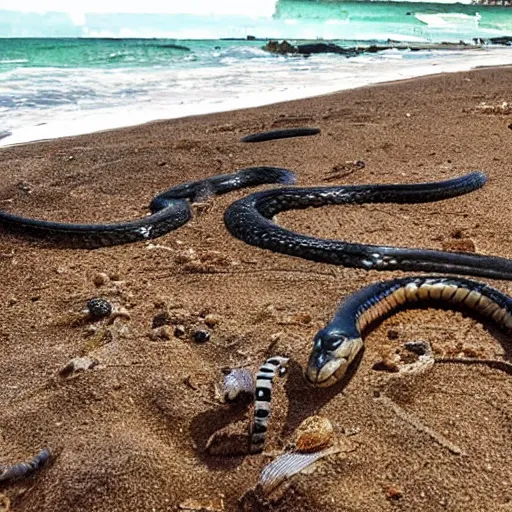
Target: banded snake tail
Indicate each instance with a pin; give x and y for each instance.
(263, 395)
(336, 345)
(170, 210)
(249, 219)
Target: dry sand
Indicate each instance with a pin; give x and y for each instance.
(130, 434)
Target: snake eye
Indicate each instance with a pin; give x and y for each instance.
(331, 341)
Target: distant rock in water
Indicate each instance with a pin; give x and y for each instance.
(285, 48)
(324, 48)
(175, 47)
(505, 40)
(281, 48)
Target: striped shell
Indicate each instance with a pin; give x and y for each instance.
(313, 434)
(287, 465)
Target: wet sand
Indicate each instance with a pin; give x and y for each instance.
(130, 433)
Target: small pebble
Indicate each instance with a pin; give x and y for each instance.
(313, 434)
(179, 331)
(211, 320)
(99, 308)
(201, 336)
(163, 332)
(100, 279)
(393, 334)
(393, 493)
(162, 318)
(77, 364)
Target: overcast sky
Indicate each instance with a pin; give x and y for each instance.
(247, 7)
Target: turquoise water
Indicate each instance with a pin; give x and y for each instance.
(309, 19)
(54, 86)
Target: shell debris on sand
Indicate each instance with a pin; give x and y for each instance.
(314, 440)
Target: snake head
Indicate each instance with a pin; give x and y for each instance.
(332, 353)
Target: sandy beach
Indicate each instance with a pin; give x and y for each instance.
(130, 433)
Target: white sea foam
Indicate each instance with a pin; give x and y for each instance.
(84, 101)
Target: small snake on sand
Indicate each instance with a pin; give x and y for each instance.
(170, 210)
(250, 220)
(336, 345)
(280, 134)
(19, 470)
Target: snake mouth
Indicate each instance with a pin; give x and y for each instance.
(325, 374)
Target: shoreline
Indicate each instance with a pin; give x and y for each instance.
(130, 434)
(95, 122)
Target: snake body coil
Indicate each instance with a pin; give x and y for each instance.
(170, 210)
(336, 346)
(250, 220)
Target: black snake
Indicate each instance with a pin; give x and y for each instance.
(170, 210)
(250, 220)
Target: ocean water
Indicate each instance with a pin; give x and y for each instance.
(92, 71)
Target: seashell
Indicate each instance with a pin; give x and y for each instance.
(313, 434)
(287, 465)
(238, 385)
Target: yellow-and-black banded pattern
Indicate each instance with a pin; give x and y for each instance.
(263, 395)
(336, 346)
